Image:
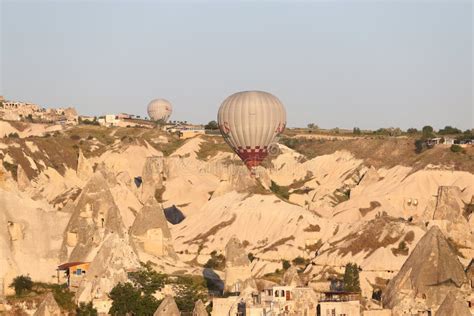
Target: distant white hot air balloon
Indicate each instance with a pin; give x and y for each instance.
(250, 121)
(159, 110)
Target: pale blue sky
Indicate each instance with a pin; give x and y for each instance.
(334, 63)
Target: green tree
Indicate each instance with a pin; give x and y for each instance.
(212, 125)
(127, 299)
(427, 131)
(189, 289)
(86, 310)
(449, 130)
(22, 284)
(412, 130)
(313, 126)
(147, 280)
(351, 278)
(356, 131)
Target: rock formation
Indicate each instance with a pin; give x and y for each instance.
(109, 267)
(150, 231)
(449, 205)
(370, 177)
(84, 169)
(152, 177)
(200, 309)
(291, 277)
(167, 307)
(453, 306)
(94, 217)
(22, 178)
(48, 307)
(238, 275)
(429, 273)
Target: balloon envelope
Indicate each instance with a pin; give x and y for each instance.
(159, 110)
(250, 121)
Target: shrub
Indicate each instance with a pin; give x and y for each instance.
(420, 146)
(280, 191)
(285, 264)
(22, 284)
(63, 296)
(299, 261)
(217, 261)
(13, 135)
(456, 148)
(86, 310)
(251, 256)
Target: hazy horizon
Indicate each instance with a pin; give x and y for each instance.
(336, 64)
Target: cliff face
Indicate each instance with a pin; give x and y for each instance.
(95, 216)
(428, 275)
(330, 209)
(150, 231)
(113, 261)
(237, 267)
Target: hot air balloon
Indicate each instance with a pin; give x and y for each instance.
(250, 121)
(159, 110)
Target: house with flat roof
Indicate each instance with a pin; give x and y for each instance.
(73, 272)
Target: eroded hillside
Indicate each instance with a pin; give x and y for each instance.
(328, 202)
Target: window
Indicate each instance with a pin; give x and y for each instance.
(79, 272)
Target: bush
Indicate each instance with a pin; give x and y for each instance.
(22, 284)
(285, 264)
(280, 191)
(63, 296)
(86, 310)
(456, 149)
(216, 262)
(13, 135)
(299, 261)
(420, 146)
(251, 256)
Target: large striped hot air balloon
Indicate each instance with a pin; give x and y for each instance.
(159, 110)
(250, 121)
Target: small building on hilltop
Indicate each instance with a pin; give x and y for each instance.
(73, 273)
